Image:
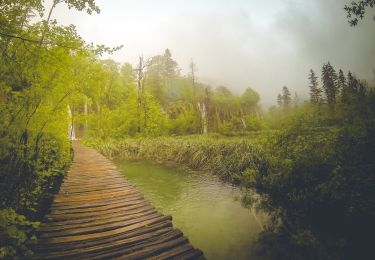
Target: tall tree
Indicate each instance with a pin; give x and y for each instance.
(341, 83)
(315, 91)
(286, 98)
(329, 79)
(249, 101)
(141, 91)
(170, 65)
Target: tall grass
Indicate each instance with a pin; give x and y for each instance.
(229, 158)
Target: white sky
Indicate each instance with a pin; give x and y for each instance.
(240, 43)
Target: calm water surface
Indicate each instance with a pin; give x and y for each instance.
(206, 210)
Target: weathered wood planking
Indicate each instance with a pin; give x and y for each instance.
(98, 214)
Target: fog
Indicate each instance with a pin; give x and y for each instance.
(244, 43)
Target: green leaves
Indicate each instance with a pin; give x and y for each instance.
(42, 70)
(15, 230)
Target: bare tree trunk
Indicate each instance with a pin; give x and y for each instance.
(71, 131)
(141, 99)
(203, 111)
(85, 112)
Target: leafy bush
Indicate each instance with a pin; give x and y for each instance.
(15, 230)
(27, 183)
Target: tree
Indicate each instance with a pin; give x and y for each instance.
(341, 83)
(170, 65)
(356, 10)
(161, 70)
(329, 79)
(249, 101)
(141, 92)
(315, 91)
(350, 89)
(286, 98)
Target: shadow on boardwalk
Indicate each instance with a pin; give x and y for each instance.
(99, 215)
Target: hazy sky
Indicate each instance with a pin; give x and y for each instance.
(240, 43)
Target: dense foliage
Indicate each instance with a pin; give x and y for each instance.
(41, 73)
(154, 99)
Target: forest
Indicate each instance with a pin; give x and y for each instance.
(311, 161)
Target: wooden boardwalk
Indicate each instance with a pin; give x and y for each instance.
(98, 214)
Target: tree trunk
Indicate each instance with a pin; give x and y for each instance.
(203, 111)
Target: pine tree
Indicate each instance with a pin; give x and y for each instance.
(362, 89)
(342, 85)
(170, 65)
(315, 91)
(352, 83)
(286, 98)
(329, 79)
(341, 82)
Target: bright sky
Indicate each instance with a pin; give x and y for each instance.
(240, 43)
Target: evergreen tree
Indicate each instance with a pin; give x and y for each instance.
(341, 83)
(170, 65)
(286, 98)
(315, 91)
(329, 79)
(352, 83)
(362, 89)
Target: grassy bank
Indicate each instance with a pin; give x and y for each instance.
(232, 159)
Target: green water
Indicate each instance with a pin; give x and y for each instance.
(206, 210)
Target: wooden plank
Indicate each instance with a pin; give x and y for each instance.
(99, 221)
(102, 227)
(67, 204)
(79, 238)
(103, 241)
(97, 207)
(139, 206)
(114, 245)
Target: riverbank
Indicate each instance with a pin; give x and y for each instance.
(232, 159)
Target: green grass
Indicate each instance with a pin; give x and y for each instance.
(228, 157)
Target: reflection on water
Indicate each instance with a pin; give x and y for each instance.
(206, 210)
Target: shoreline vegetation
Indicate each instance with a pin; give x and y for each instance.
(311, 161)
(226, 157)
